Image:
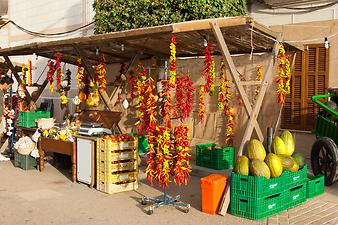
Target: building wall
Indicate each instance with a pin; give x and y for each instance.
(304, 27)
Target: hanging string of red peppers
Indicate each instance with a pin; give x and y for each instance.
(182, 167)
(58, 70)
(23, 78)
(165, 104)
(209, 70)
(184, 97)
(284, 75)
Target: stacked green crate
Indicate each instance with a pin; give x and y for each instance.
(258, 197)
(25, 162)
(315, 185)
(218, 158)
(27, 119)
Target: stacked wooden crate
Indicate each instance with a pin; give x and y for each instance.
(117, 167)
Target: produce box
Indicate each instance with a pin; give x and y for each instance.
(108, 144)
(256, 208)
(117, 166)
(218, 158)
(27, 119)
(110, 188)
(294, 178)
(261, 187)
(315, 185)
(295, 196)
(25, 162)
(120, 177)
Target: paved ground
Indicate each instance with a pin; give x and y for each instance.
(31, 197)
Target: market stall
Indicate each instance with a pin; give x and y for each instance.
(158, 118)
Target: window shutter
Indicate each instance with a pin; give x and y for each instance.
(309, 77)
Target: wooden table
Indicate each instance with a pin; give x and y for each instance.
(57, 146)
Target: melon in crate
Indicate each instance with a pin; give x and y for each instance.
(256, 150)
(258, 168)
(275, 164)
(289, 142)
(242, 165)
(278, 146)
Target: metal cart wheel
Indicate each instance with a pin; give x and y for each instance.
(324, 156)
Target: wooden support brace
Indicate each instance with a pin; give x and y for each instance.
(261, 95)
(17, 77)
(235, 75)
(40, 90)
(88, 67)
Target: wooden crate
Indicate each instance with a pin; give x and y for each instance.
(107, 144)
(110, 188)
(111, 156)
(117, 177)
(117, 166)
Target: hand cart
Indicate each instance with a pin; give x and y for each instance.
(324, 152)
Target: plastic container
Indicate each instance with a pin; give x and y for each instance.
(212, 189)
(218, 158)
(25, 162)
(256, 208)
(295, 196)
(27, 119)
(315, 185)
(142, 144)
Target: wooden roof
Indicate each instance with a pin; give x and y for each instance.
(154, 41)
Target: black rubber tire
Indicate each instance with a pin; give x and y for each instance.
(143, 202)
(324, 156)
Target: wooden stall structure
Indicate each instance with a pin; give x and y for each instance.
(234, 35)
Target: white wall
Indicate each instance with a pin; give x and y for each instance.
(262, 14)
(48, 16)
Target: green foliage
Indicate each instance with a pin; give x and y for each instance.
(117, 15)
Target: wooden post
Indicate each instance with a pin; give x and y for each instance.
(40, 90)
(88, 67)
(261, 95)
(235, 75)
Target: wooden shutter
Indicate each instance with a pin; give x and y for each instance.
(309, 77)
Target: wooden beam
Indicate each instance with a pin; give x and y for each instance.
(40, 90)
(235, 75)
(264, 87)
(17, 77)
(89, 69)
(251, 82)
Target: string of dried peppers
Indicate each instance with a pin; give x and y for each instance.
(201, 102)
(184, 97)
(147, 102)
(165, 103)
(30, 75)
(224, 103)
(182, 167)
(209, 70)
(58, 70)
(259, 77)
(23, 77)
(100, 74)
(172, 61)
(79, 73)
(50, 75)
(284, 75)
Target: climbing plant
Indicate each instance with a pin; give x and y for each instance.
(117, 15)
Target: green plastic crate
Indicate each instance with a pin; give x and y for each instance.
(25, 162)
(256, 208)
(142, 144)
(293, 178)
(295, 195)
(315, 185)
(218, 158)
(27, 119)
(257, 186)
